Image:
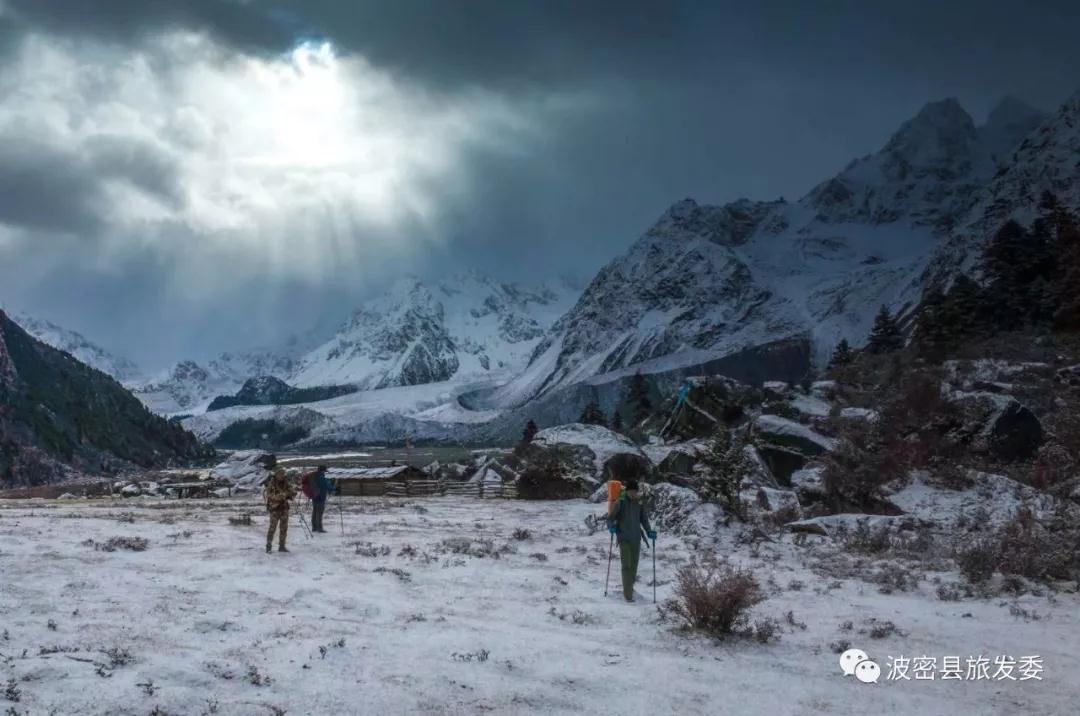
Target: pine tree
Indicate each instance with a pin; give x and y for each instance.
(530, 432)
(885, 337)
(726, 463)
(616, 422)
(638, 398)
(1014, 261)
(1066, 286)
(592, 415)
(842, 355)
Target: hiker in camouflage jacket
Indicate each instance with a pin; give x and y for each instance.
(278, 494)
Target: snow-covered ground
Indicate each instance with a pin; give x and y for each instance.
(214, 625)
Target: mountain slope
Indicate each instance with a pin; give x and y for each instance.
(79, 346)
(57, 414)
(708, 281)
(463, 328)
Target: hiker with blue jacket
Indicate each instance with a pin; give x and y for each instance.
(627, 521)
(320, 488)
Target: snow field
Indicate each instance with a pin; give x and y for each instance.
(208, 617)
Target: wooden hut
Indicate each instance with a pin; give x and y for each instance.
(373, 481)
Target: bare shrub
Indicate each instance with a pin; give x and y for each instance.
(255, 678)
(521, 534)
(865, 539)
(399, 573)
(132, 544)
(883, 630)
(11, 691)
(766, 630)
(715, 599)
(1030, 550)
(480, 656)
(978, 559)
(893, 577)
(370, 550)
(243, 520)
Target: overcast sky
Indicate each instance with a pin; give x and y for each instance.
(180, 177)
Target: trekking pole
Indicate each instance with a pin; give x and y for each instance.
(611, 543)
(307, 530)
(341, 514)
(654, 571)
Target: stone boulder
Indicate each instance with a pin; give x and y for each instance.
(244, 469)
(131, 490)
(998, 424)
(712, 402)
(679, 511)
(680, 461)
(591, 454)
(786, 445)
(779, 504)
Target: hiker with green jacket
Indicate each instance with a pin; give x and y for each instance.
(627, 521)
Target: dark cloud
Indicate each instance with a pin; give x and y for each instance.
(48, 188)
(714, 100)
(125, 21)
(56, 188)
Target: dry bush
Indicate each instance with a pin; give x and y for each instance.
(715, 599)
(978, 559)
(1030, 550)
(1022, 547)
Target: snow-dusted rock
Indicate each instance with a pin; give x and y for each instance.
(773, 501)
(775, 390)
(243, 468)
(66, 496)
(833, 525)
(786, 433)
(867, 414)
(614, 456)
(679, 461)
(808, 482)
(680, 511)
(823, 389)
(992, 500)
(810, 405)
(131, 490)
(999, 423)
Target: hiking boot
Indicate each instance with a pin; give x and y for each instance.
(282, 549)
(268, 549)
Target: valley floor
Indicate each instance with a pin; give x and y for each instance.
(405, 624)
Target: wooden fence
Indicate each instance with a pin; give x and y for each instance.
(439, 488)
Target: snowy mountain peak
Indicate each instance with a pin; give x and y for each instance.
(940, 134)
(464, 327)
(1006, 126)
(729, 225)
(79, 346)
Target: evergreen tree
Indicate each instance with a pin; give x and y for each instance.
(530, 432)
(885, 337)
(726, 464)
(592, 415)
(638, 399)
(1066, 285)
(1014, 261)
(616, 422)
(842, 355)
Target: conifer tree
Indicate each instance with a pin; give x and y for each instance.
(530, 432)
(592, 415)
(885, 337)
(616, 422)
(638, 399)
(842, 355)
